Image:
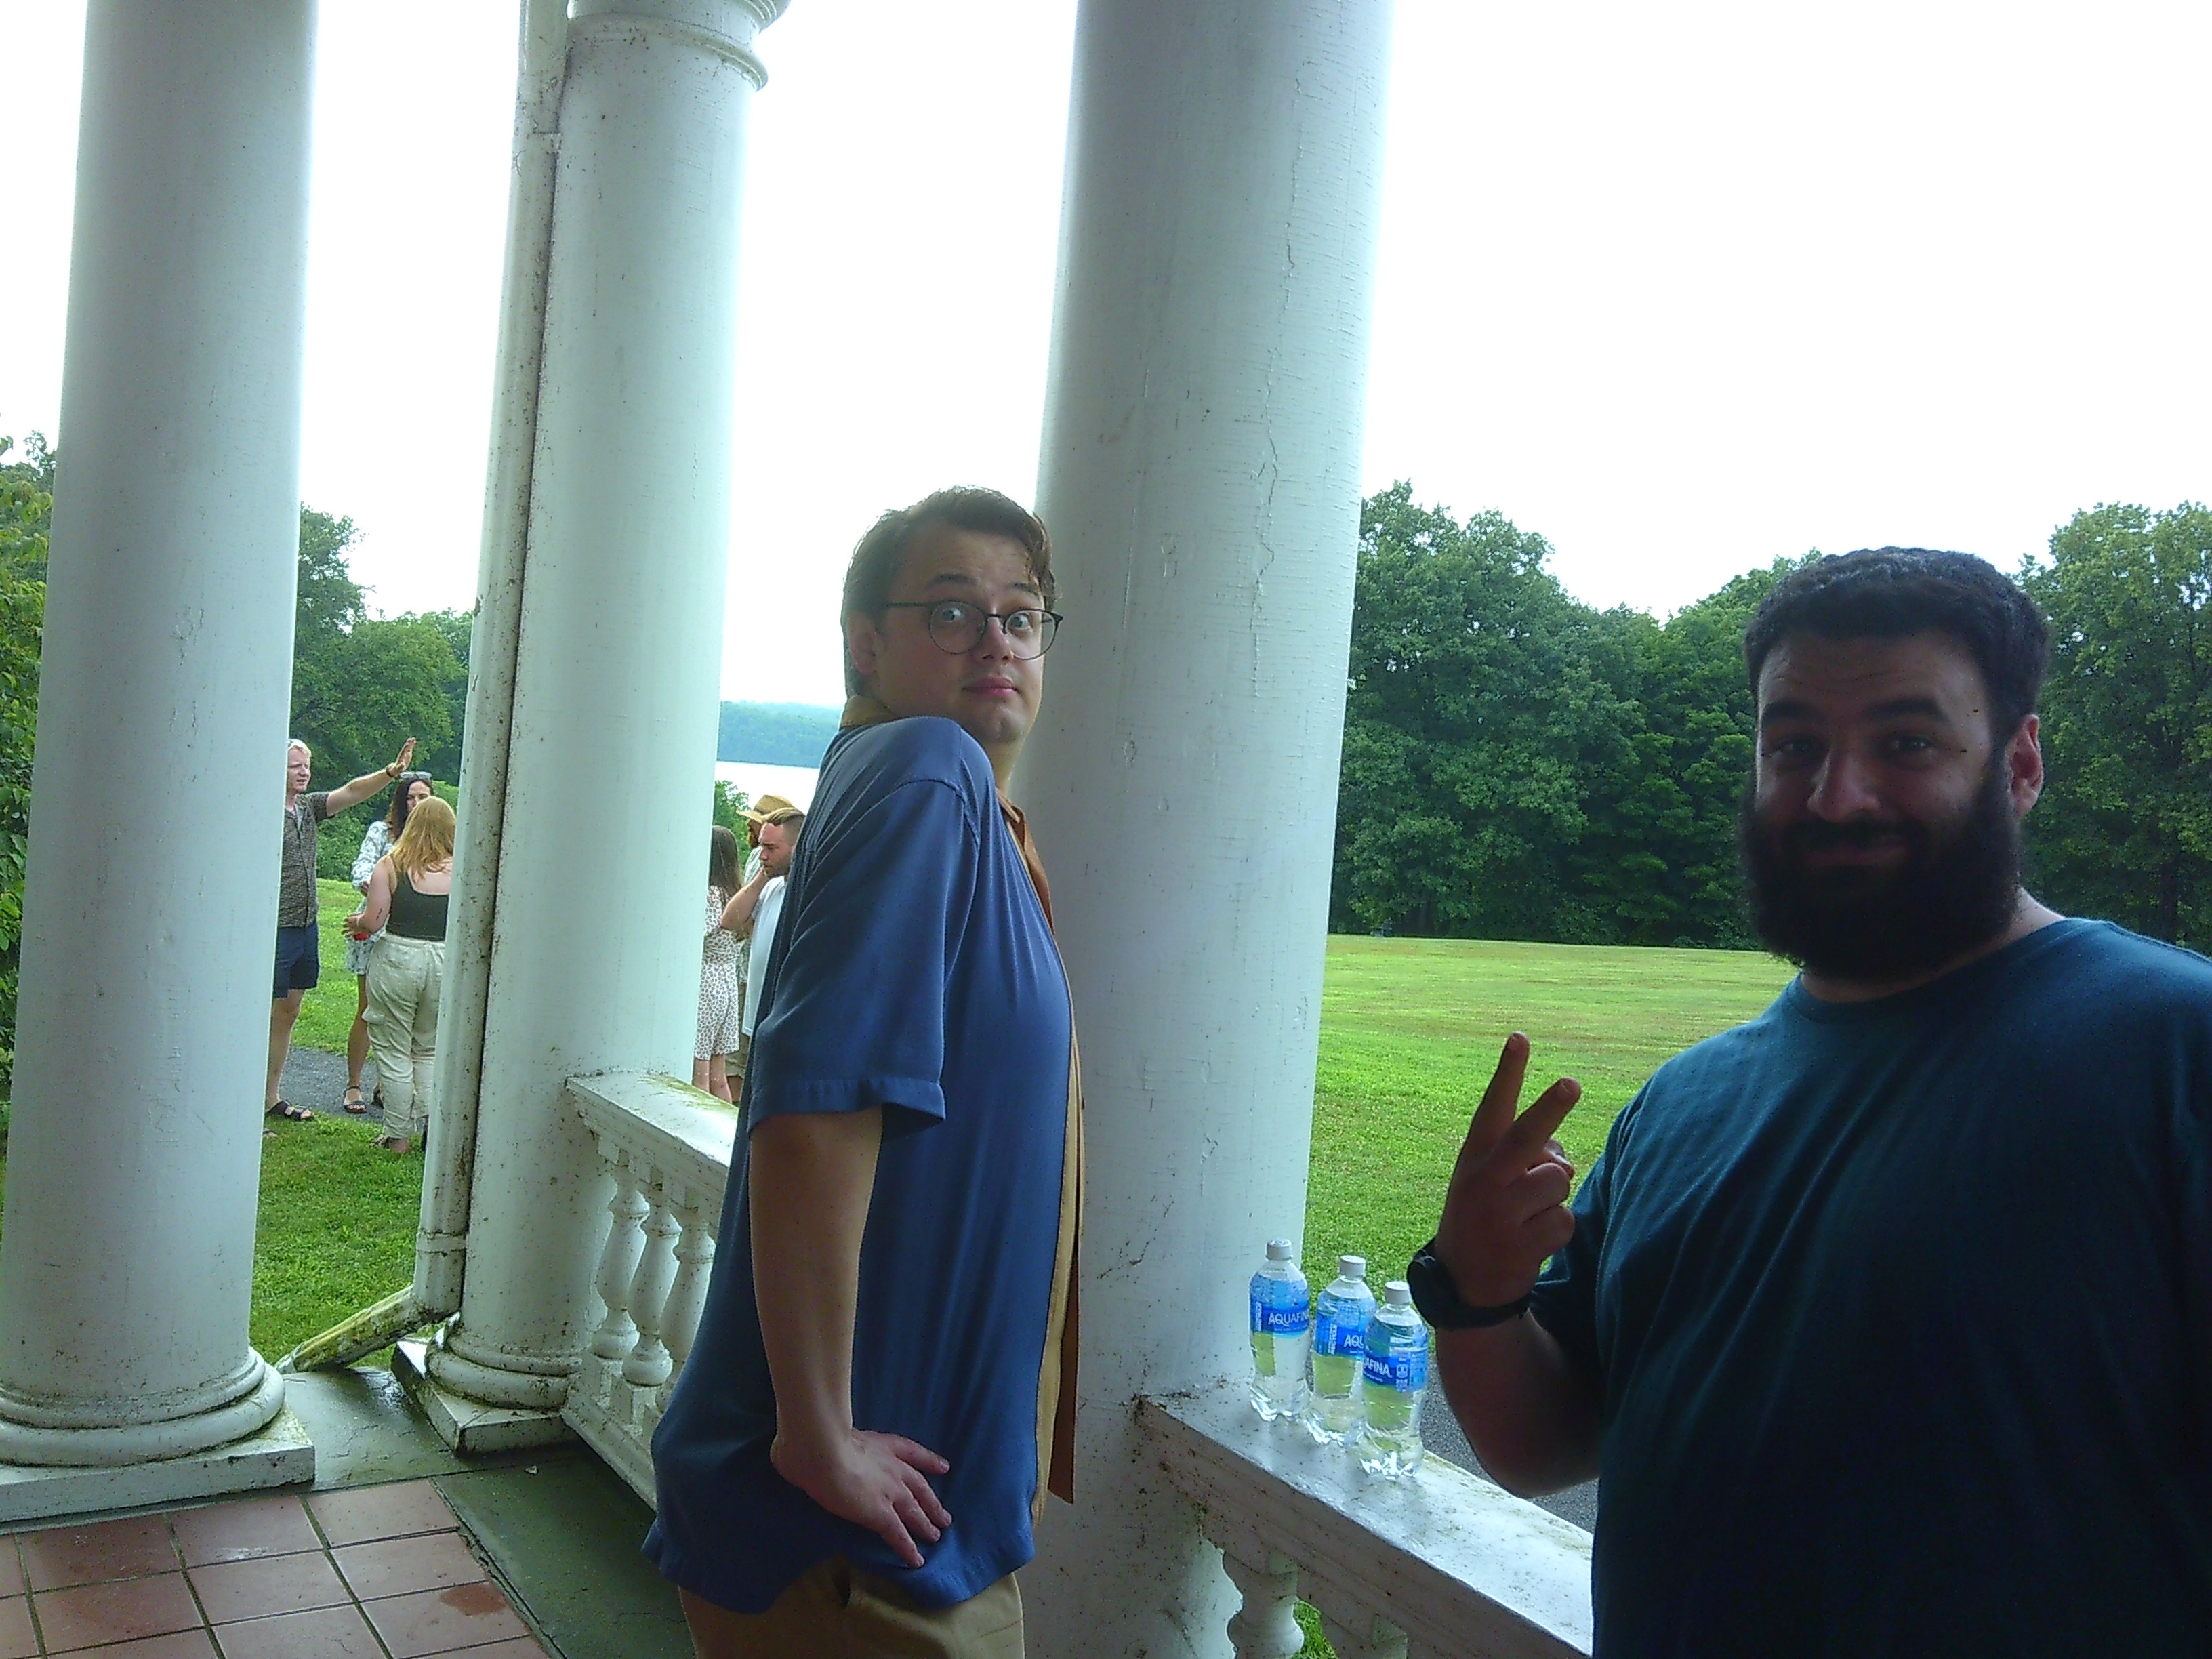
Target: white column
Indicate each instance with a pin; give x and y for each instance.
(1201, 479)
(149, 911)
(595, 958)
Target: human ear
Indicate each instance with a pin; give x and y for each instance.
(2024, 764)
(862, 644)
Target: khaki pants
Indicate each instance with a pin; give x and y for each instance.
(838, 1612)
(403, 978)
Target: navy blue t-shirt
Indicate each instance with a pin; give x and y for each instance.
(912, 969)
(1903, 1313)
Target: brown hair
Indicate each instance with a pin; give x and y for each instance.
(428, 839)
(396, 819)
(725, 861)
(875, 560)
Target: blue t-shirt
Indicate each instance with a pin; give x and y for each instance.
(912, 969)
(1903, 1314)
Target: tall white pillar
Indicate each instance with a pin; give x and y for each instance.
(1199, 476)
(149, 910)
(602, 845)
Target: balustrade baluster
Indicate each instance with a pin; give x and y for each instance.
(687, 1295)
(1266, 1625)
(1380, 1639)
(647, 1366)
(618, 1260)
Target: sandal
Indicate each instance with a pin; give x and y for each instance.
(353, 1102)
(290, 1113)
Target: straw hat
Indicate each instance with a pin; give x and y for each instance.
(766, 808)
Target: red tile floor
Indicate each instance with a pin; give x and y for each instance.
(371, 1572)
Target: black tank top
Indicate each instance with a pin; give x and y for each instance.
(415, 915)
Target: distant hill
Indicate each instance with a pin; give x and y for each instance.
(776, 734)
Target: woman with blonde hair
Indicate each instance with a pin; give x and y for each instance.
(407, 895)
(414, 789)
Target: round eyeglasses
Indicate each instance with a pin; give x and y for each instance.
(956, 626)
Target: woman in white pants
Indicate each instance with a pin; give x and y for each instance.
(414, 789)
(407, 896)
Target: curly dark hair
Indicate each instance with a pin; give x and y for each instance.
(875, 560)
(1886, 593)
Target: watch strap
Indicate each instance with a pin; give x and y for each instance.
(1436, 1299)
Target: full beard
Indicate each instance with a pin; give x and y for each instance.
(1958, 888)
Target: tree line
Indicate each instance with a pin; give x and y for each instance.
(776, 733)
(1517, 765)
(361, 683)
(1520, 765)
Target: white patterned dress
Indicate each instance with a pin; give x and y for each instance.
(373, 846)
(718, 984)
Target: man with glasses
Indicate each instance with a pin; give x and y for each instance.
(882, 1386)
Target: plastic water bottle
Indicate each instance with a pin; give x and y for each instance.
(1282, 1324)
(1397, 1373)
(1339, 1349)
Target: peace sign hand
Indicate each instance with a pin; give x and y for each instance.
(1505, 1211)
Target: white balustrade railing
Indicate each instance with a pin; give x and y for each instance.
(667, 1146)
(1443, 1563)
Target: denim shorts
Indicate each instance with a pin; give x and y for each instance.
(299, 959)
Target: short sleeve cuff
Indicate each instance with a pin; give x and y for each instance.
(908, 1102)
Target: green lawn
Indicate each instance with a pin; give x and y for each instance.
(1410, 1029)
(338, 1217)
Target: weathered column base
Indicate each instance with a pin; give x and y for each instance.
(278, 1453)
(468, 1422)
(95, 1432)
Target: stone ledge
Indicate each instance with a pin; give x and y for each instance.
(1457, 1563)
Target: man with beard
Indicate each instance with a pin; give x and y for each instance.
(1887, 1317)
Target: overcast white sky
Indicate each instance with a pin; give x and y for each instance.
(1683, 288)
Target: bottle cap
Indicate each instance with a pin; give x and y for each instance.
(1280, 1249)
(1351, 1267)
(1398, 1294)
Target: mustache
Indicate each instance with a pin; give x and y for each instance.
(1818, 834)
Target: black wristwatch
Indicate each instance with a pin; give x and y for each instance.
(1436, 1299)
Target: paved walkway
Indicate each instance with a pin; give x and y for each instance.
(317, 1081)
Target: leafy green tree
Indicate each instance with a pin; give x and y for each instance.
(360, 683)
(1480, 706)
(1695, 761)
(1520, 766)
(729, 808)
(26, 504)
(2124, 828)
(26, 518)
(328, 600)
(457, 627)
